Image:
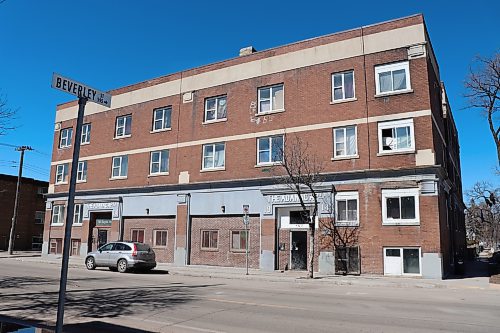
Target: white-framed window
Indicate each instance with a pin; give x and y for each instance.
(239, 240)
(159, 162)
(392, 78)
(162, 118)
(65, 137)
(270, 149)
(160, 238)
(214, 156)
(39, 217)
(119, 167)
(81, 173)
(215, 108)
(400, 206)
(57, 215)
(62, 173)
(86, 133)
(343, 86)
(402, 261)
(209, 239)
(345, 143)
(396, 136)
(346, 206)
(78, 214)
(123, 126)
(271, 99)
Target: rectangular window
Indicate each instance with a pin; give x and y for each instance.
(299, 217)
(209, 239)
(162, 119)
(120, 167)
(346, 206)
(65, 137)
(36, 243)
(396, 136)
(270, 149)
(81, 173)
(75, 247)
(402, 261)
(392, 78)
(215, 108)
(55, 246)
(78, 215)
(271, 99)
(159, 162)
(347, 260)
(345, 141)
(57, 215)
(39, 217)
(62, 173)
(160, 237)
(214, 156)
(123, 126)
(400, 206)
(239, 240)
(86, 133)
(343, 86)
(137, 235)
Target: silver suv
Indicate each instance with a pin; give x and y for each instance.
(122, 256)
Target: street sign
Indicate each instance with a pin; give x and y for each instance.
(80, 90)
(246, 219)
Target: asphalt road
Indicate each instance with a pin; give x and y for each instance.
(105, 301)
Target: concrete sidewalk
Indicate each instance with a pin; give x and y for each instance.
(280, 276)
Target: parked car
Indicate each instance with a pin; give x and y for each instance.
(122, 256)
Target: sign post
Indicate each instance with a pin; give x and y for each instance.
(246, 221)
(84, 93)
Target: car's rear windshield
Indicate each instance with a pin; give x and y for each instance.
(142, 247)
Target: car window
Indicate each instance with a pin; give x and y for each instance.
(142, 247)
(107, 247)
(122, 247)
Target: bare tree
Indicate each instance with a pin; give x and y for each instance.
(7, 116)
(483, 87)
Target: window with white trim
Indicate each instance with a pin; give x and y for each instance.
(119, 167)
(402, 261)
(343, 86)
(270, 149)
(209, 239)
(271, 99)
(239, 240)
(215, 108)
(86, 133)
(396, 136)
(123, 126)
(346, 206)
(392, 78)
(39, 217)
(162, 118)
(78, 214)
(159, 162)
(62, 173)
(214, 156)
(400, 206)
(57, 215)
(345, 141)
(160, 238)
(81, 173)
(65, 137)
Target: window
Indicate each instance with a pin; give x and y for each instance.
(55, 246)
(137, 235)
(400, 206)
(345, 142)
(346, 206)
(39, 217)
(239, 240)
(57, 215)
(402, 261)
(123, 126)
(62, 173)
(81, 173)
(36, 243)
(215, 108)
(271, 99)
(42, 190)
(209, 239)
(162, 118)
(392, 78)
(160, 237)
(75, 247)
(65, 137)
(270, 149)
(299, 217)
(86, 133)
(214, 156)
(343, 86)
(78, 215)
(159, 162)
(347, 260)
(120, 167)
(396, 136)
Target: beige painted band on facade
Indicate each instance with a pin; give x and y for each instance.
(378, 42)
(298, 129)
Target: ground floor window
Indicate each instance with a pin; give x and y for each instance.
(402, 261)
(209, 239)
(239, 240)
(347, 260)
(137, 235)
(160, 237)
(36, 243)
(75, 247)
(55, 246)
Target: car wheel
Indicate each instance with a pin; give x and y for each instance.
(122, 265)
(90, 263)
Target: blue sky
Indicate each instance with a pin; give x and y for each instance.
(109, 44)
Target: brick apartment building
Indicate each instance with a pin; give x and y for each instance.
(31, 212)
(175, 158)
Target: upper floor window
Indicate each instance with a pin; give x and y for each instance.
(123, 126)
(271, 99)
(214, 156)
(270, 149)
(162, 119)
(78, 214)
(159, 162)
(392, 78)
(400, 206)
(343, 86)
(62, 173)
(346, 206)
(345, 142)
(86, 133)
(39, 217)
(65, 137)
(215, 108)
(396, 136)
(120, 167)
(81, 173)
(57, 215)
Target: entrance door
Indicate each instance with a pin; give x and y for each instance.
(298, 250)
(393, 262)
(102, 237)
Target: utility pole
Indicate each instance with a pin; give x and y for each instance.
(12, 237)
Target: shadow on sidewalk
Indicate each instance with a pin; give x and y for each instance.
(473, 268)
